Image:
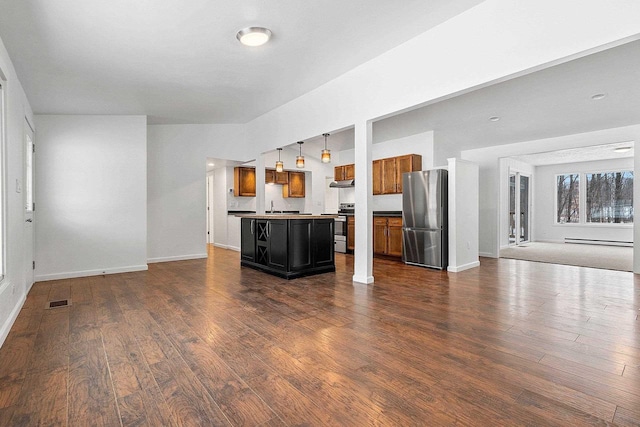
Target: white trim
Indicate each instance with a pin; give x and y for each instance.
(367, 280)
(6, 328)
(227, 247)
(487, 255)
(86, 273)
(176, 258)
(463, 267)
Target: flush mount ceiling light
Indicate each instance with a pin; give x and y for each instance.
(598, 96)
(622, 149)
(300, 158)
(210, 164)
(326, 154)
(494, 118)
(254, 36)
(279, 164)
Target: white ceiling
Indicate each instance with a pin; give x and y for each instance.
(553, 102)
(178, 61)
(576, 155)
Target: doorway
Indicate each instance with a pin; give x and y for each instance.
(519, 208)
(29, 204)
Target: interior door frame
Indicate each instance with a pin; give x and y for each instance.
(517, 173)
(29, 214)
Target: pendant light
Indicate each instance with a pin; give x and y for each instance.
(300, 158)
(326, 154)
(279, 164)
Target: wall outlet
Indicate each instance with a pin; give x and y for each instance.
(468, 245)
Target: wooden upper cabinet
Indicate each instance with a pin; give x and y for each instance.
(269, 176)
(295, 185)
(387, 173)
(408, 163)
(244, 182)
(376, 172)
(389, 176)
(341, 173)
(350, 171)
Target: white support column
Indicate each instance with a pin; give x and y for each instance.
(260, 178)
(363, 253)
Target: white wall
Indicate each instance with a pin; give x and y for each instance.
(545, 228)
(463, 215)
(421, 143)
(176, 161)
(488, 160)
(92, 195)
(14, 286)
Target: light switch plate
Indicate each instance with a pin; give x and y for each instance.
(18, 186)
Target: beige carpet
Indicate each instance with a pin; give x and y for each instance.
(596, 256)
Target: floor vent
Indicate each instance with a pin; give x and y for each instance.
(58, 304)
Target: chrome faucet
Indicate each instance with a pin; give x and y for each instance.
(271, 210)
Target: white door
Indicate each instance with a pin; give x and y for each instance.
(519, 208)
(29, 204)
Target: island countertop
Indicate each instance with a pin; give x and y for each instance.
(285, 216)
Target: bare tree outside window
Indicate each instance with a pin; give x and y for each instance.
(610, 197)
(568, 193)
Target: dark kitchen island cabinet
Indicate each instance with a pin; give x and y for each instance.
(288, 246)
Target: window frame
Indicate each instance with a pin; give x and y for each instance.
(582, 191)
(555, 199)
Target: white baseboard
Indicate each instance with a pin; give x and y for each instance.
(176, 258)
(362, 279)
(459, 268)
(487, 255)
(228, 247)
(4, 332)
(87, 273)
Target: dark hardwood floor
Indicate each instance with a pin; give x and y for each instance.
(205, 342)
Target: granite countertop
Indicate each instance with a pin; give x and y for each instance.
(285, 216)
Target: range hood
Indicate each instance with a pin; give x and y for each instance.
(347, 183)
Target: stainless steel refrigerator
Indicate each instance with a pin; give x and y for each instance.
(425, 218)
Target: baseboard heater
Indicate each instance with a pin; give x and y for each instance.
(598, 242)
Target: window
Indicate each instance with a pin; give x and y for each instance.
(568, 198)
(610, 197)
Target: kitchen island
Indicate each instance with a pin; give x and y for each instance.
(288, 245)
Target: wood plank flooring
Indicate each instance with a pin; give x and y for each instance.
(206, 342)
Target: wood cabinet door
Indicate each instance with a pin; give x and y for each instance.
(295, 187)
(394, 235)
(408, 163)
(389, 176)
(269, 176)
(351, 233)
(300, 244)
(277, 244)
(379, 235)
(244, 182)
(248, 239)
(281, 177)
(338, 173)
(376, 172)
(350, 171)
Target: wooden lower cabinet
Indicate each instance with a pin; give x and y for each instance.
(387, 236)
(351, 233)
